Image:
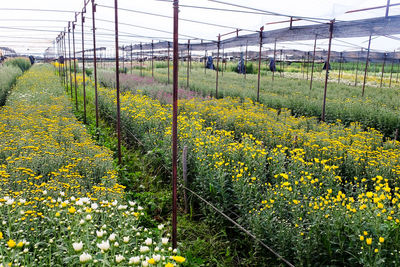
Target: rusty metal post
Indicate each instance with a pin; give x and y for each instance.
(73, 44)
(216, 81)
(383, 68)
(327, 69)
(281, 58)
(222, 63)
(83, 63)
(308, 62)
(245, 61)
(358, 60)
(205, 61)
(303, 65)
(188, 72)
(117, 81)
(96, 102)
(169, 46)
(391, 73)
(313, 62)
(273, 73)
(175, 127)
(65, 60)
(259, 64)
(340, 66)
(141, 59)
(366, 67)
(69, 57)
(131, 57)
(152, 58)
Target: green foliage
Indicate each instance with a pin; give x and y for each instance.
(23, 63)
(8, 77)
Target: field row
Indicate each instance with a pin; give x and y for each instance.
(59, 192)
(320, 193)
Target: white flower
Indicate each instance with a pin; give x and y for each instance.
(145, 263)
(112, 237)
(148, 241)
(134, 260)
(164, 240)
(119, 258)
(82, 221)
(126, 239)
(100, 233)
(85, 257)
(62, 193)
(157, 258)
(144, 249)
(161, 226)
(72, 198)
(114, 203)
(132, 203)
(94, 206)
(122, 207)
(175, 251)
(85, 200)
(79, 202)
(104, 246)
(88, 217)
(156, 249)
(10, 201)
(140, 208)
(22, 201)
(77, 246)
(44, 192)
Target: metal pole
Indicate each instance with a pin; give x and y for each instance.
(281, 58)
(383, 68)
(117, 81)
(340, 66)
(358, 60)
(216, 81)
(303, 65)
(205, 61)
(391, 72)
(95, 63)
(222, 64)
(366, 66)
(141, 59)
(123, 58)
(245, 61)
(187, 75)
(308, 62)
(73, 44)
(169, 45)
(65, 60)
(398, 70)
(327, 69)
(131, 56)
(259, 64)
(387, 8)
(313, 61)
(69, 56)
(174, 127)
(152, 58)
(273, 73)
(83, 64)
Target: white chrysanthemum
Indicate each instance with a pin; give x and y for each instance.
(164, 240)
(104, 246)
(85, 257)
(144, 249)
(100, 233)
(77, 246)
(126, 239)
(119, 258)
(148, 241)
(134, 260)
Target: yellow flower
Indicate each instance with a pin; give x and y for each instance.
(57, 214)
(169, 265)
(381, 239)
(11, 243)
(1, 235)
(376, 250)
(152, 261)
(20, 244)
(179, 259)
(365, 233)
(361, 238)
(72, 210)
(369, 241)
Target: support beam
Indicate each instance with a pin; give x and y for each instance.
(366, 66)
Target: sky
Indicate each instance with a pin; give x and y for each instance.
(39, 35)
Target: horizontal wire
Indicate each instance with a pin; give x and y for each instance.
(181, 19)
(37, 10)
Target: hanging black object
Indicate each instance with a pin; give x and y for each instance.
(272, 66)
(210, 64)
(32, 59)
(329, 66)
(241, 68)
(60, 60)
